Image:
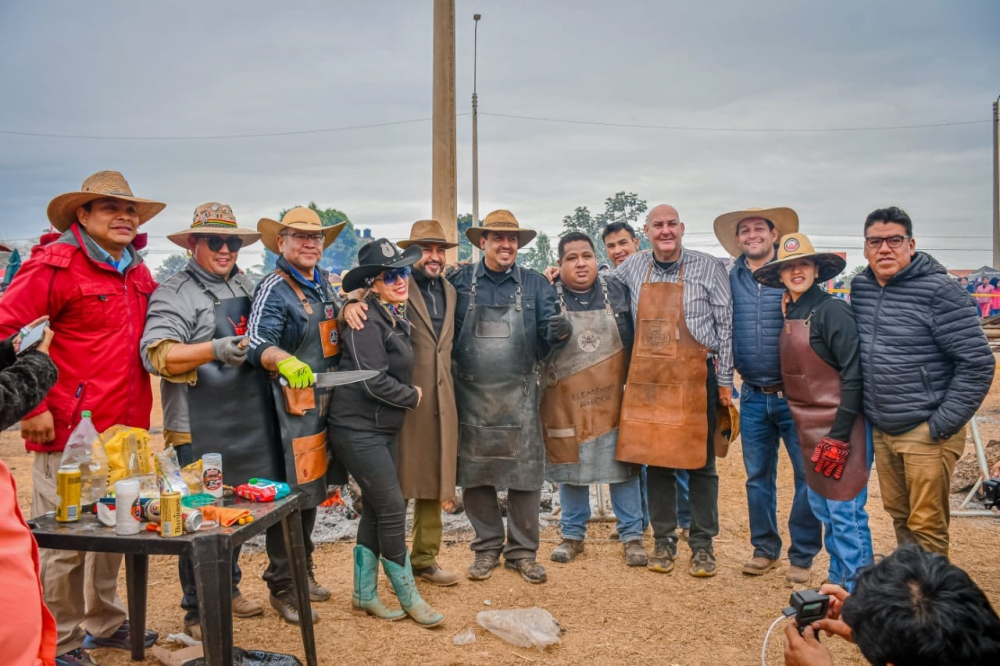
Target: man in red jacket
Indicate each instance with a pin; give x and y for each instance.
(94, 288)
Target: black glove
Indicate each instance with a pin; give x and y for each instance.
(560, 326)
(229, 350)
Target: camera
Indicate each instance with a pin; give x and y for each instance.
(991, 493)
(807, 606)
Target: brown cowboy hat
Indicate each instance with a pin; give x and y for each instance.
(62, 209)
(500, 220)
(785, 220)
(216, 219)
(300, 219)
(5, 248)
(798, 246)
(727, 428)
(426, 231)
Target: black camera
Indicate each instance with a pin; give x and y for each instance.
(991, 493)
(808, 606)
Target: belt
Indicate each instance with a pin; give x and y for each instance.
(770, 389)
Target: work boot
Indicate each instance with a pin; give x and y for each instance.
(635, 553)
(243, 607)
(530, 570)
(75, 657)
(662, 559)
(435, 575)
(365, 597)
(405, 587)
(759, 565)
(702, 564)
(288, 608)
(482, 567)
(316, 591)
(567, 550)
(798, 575)
(120, 640)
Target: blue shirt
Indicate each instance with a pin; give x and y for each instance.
(120, 265)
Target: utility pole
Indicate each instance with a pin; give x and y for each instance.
(996, 183)
(475, 133)
(444, 189)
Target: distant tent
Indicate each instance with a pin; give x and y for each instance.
(985, 271)
(13, 264)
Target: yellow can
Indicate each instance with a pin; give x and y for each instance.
(68, 485)
(171, 517)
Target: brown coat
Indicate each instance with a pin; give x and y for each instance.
(428, 442)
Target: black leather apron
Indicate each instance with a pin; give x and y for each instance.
(496, 391)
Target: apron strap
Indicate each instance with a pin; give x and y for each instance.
(604, 291)
(298, 291)
(204, 289)
(562, 299)
(517, 297)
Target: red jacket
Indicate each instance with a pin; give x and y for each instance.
(97, 315)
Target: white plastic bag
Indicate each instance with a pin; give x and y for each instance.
(465, 637)
(524, 627)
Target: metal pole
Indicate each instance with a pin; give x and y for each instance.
(475, 133)
(444, 190)
(996, 183)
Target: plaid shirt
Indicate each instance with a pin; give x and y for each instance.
(708, 307)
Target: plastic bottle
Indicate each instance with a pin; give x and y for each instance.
(211, 474)
(128, 511)
(85, 448)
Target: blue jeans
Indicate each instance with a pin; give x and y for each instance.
(625, 501)
(765, 421)
(683, 499)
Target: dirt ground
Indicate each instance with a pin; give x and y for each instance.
(611, 613)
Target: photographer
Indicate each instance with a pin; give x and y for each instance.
(913, 607)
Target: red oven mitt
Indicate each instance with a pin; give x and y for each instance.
(830, 457)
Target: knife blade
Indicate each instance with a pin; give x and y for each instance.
(330, 379)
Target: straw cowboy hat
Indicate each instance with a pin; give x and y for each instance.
(62, 209)
(785, 220)
(500, 220)
(297, 219)
(798, 246)
(375, 257)
(216, 219)
(426, 231)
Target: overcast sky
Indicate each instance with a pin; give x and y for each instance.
(170, 69)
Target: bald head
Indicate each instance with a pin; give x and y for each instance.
(665, 231)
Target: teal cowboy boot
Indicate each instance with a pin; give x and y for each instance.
(365, 597)
(402, 581)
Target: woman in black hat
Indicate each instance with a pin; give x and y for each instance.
(365, 419)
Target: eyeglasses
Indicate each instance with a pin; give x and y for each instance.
(302, 239)
(875, 242)
(215, 243)
(391, 276)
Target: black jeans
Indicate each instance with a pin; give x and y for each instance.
(704, 490)
(370, 457)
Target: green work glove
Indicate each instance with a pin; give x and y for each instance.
(298, 374)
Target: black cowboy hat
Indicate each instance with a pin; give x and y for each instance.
(375, 257)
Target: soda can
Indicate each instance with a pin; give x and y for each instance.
(151, 510)
(68, 487)
(171, 518)
(193, 520)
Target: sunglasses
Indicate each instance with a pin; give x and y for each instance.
(215, 243)
(392, 276)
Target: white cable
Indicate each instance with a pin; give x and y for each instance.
(763, 649)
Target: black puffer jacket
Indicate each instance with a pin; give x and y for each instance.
(24, 381)
(923, 352)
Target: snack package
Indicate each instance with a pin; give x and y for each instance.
(262, 490)
(169, 473)
(192, 477)
(127, 453)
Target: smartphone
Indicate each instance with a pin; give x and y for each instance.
(34, 336)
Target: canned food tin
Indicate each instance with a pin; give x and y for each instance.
(171, 519)
(68, 486)
(192, 520)
(151, 510)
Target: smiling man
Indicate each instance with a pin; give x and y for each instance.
(681, 307)
(927, 368)
(620, 242)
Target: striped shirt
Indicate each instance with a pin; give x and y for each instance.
(708, 308)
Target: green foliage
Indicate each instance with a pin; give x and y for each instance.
(540, 255)
(622, 207)
(464, 246)
(175, 263)
(853, 273)
(341, 255)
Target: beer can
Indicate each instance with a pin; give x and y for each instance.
(171, 518)
(193, 520)
(68, 486)
(151, 510)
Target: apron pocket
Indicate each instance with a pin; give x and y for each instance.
(298, 401)
(492, 329)
(490, 441)
(310, 457)
(329, 337)
(662, 404)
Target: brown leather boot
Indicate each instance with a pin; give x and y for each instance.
(567, 550)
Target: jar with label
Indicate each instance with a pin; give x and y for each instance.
(211, 473)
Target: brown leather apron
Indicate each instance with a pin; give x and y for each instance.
(664, 419)
(582, 398)
(812, 388)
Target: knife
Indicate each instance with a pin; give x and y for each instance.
(330, 379)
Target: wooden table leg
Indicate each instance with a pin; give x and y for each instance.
(212, 559)
(136, 580)
(291, 528)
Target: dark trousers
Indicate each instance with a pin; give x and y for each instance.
(370, 457)
(278, 574)
(703, 485)
(483, 510)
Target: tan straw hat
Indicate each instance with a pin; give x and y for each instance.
(426, 231)
(298, 219)
(785, 220)
(62, 209)
(500, 220)
(214, 219)
(798, 246)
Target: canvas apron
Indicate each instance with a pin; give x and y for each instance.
(230, 409)
(309, 464)
(496, 391)
(812, 388)
(582, 398)
(664, 419)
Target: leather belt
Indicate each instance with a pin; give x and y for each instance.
(770, 389)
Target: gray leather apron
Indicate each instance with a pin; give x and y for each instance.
(582, 397)
(496, 391)
(230, 409)
(309, 463)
